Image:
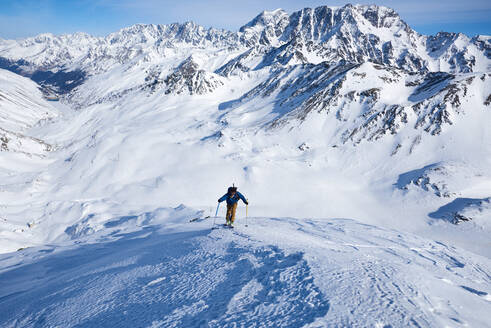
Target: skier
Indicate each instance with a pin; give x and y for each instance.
(232, 197)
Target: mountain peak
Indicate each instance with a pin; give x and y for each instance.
(264, 19)
(265, 27)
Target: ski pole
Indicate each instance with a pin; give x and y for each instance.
(247, 206)
(215, 216)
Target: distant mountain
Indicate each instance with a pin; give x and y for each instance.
(364, 33)
(354, 33)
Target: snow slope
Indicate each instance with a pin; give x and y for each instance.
(21, 103)
(157, 269)
(336, 150)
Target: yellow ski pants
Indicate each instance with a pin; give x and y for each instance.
(231, 212)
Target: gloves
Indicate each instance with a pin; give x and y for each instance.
(246, 202)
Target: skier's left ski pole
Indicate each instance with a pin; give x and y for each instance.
(247, 206)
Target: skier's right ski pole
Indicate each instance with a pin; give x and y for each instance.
(216, 213)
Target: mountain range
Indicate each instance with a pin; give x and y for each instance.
(347, 80)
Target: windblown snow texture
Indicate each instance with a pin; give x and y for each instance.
(279, 272)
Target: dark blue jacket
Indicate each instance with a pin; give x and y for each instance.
(233, 199)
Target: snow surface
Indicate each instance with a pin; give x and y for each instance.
(157, 269)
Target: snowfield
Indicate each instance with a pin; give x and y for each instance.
(363, 148)
(157, 269)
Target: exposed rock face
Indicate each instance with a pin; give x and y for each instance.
(464, 209)
(187, 77)
(430, 178)
(265, 28)
(362, 96)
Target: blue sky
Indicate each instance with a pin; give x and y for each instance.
(22, 18)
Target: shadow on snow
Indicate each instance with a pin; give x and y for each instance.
(145, 278)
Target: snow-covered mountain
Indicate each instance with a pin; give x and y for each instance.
(21, 106)
(364, 33)
(325, 113)
(353, 33)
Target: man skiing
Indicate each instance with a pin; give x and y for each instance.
(232, 197)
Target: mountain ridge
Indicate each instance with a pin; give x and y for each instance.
(338, 32)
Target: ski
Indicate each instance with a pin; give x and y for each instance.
(196, 219)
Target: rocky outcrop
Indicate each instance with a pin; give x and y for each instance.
(189, 78)
(464, 209)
